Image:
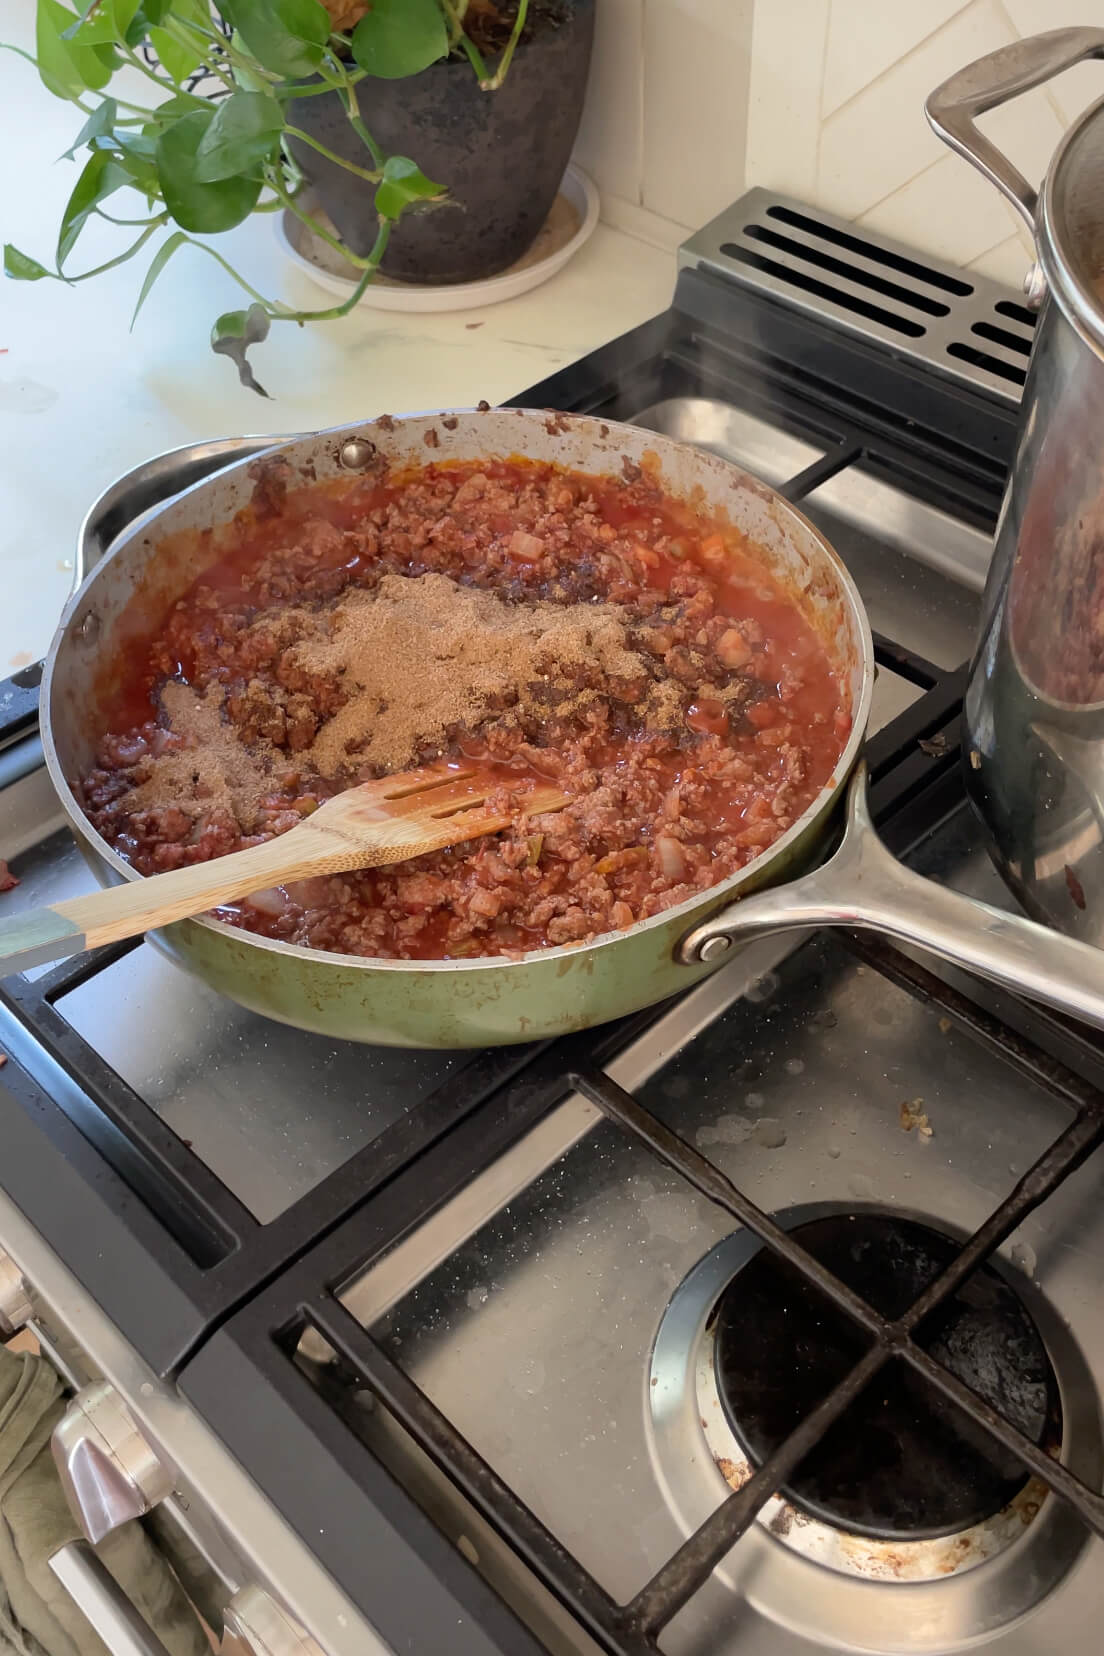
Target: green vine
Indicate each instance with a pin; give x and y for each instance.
(203, 166)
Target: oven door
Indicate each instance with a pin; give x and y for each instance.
(129, 1447)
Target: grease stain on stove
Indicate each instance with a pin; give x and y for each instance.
(727, 1129)
(763, 988)
(770, 1133)
(665, 1213)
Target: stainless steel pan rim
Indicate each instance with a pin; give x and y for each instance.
(692, 907)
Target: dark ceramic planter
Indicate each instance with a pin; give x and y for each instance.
(502, 154)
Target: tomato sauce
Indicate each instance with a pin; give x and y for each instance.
(657, 814)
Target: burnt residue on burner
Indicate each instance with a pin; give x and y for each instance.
(902, 1462)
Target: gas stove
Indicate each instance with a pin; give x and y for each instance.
(764, 1320)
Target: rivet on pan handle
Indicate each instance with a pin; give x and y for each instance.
(864, 886)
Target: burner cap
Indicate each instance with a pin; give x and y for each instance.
(901, 1463)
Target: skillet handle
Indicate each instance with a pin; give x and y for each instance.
(864, 886)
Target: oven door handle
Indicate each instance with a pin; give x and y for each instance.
(96, 1593)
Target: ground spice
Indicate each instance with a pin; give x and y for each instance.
(421, 655)
(212, 770)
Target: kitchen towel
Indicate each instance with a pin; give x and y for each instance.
(37, 1616)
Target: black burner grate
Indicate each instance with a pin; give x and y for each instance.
(267, 1333)
(901, 1464)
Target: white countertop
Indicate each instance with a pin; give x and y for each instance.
(82, 399)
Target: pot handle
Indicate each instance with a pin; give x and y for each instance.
(862, 885)
(994, 79)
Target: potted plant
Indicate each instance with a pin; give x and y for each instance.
(298, 86)
(501, 157)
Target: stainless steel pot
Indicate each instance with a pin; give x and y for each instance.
(1035, 703)
(550, 991)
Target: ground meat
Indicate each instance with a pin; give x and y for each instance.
(679, 771)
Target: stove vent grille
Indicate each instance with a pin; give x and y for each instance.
(964, 325)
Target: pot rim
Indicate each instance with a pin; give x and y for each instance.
(716, 895)
(1080, 305)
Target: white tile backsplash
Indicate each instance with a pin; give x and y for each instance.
(880, 139)
(963, 216)
(865, 39)
(692, 101)
(1008, 262)
(611, 139)
(787, 68)
(697, 66)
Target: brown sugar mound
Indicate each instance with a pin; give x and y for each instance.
(418, 657)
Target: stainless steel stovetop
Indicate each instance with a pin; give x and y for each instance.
(556, 1307)
(556, 1311)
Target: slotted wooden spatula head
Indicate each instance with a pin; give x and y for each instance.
(406, 815)
(377, 822)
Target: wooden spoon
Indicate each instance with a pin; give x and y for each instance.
(377, 822)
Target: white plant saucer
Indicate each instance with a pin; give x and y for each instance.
(570, 224)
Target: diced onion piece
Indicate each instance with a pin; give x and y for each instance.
(525, 546)
(671, 859)
(313, 892)
(733, 648)
(535, 842)
(273, 901)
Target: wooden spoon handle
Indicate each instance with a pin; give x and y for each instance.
(36, 935)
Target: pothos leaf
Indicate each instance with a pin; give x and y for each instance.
(403, 183)
(182, 103)
(286, 36)
(247, 73)
(138, 153)
(66, 67)
(400, 37)
(177, 61)
(194, 203)
(145, 25)
(243, 134)
(102, 176)
(234, 333)
(104, 23)
(99, 123)
(157, 264)
(21, 268)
